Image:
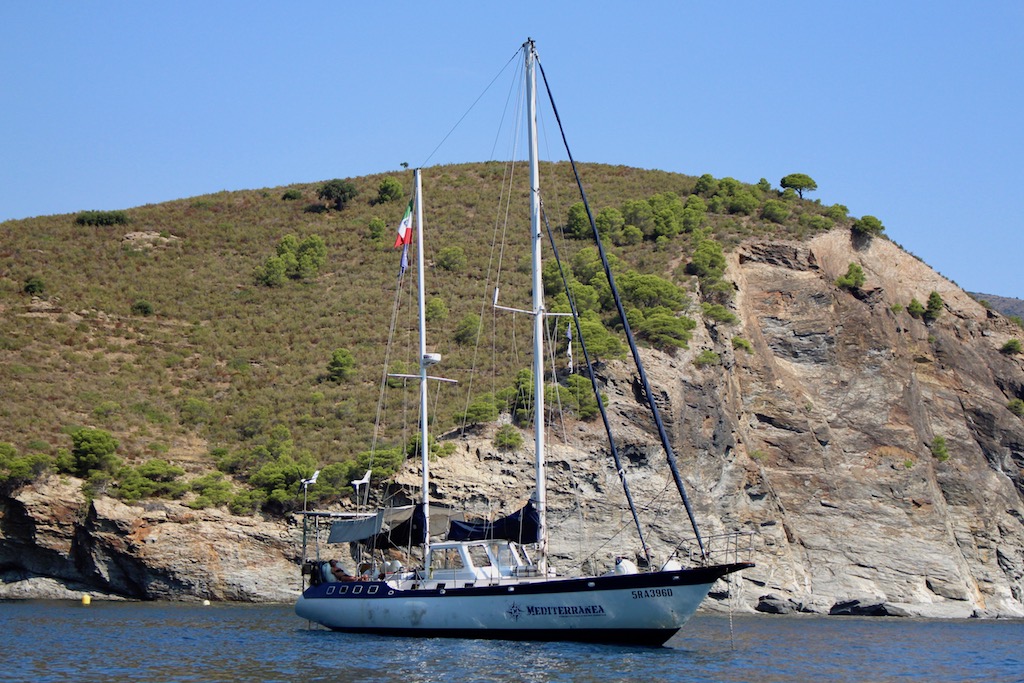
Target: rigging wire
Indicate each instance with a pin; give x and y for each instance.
(463, 117)
(494, 264)
(620, 470)
(395, 308)
(629, 335)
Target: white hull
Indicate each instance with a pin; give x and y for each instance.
(643, 609)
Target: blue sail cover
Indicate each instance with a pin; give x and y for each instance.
(521, 527)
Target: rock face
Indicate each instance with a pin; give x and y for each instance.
(817, 442)
(53, 544)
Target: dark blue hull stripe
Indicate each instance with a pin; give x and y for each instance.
(375, 590)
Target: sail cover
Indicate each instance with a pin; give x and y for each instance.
(347, 530)
(391, 527)
(521, 527)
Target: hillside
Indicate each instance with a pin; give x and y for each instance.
(1006, 305)
(223, 364)
(874, 454)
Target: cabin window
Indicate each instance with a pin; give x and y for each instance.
(478, 554)
(505, 556)
(445, 558)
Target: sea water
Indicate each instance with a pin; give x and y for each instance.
(43, 641)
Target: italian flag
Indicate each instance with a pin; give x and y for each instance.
(405, 228)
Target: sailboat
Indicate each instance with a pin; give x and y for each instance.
(492, 579)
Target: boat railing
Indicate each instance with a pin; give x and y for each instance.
(727, 548)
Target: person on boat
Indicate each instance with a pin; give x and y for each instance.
(341, 574)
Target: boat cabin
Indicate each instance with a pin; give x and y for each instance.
(470, 562)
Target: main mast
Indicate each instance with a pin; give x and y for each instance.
(538, 305)
(424, 362)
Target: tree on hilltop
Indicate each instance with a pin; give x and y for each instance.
(799, 182)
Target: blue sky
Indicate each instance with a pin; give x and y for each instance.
(908, 111)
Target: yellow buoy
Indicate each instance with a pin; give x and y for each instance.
(86, 599)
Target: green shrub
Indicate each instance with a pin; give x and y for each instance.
(939, 449)
(337, 192)
(837, 212)
(706, 186)
(508, 438)
(452, 259)
(600, 342)
(708, 260)
(868, 226)
(816, 222)
(467, 329)
(1016, 406)
(389, 190)
(665, 331)
(377, 228)
(213, 490)
(273, 273)
(142, 307)
(743, 202)
(17, 470)
(482, 409)
(577, 223)
(294, 259)
(775, 211)
(195, 411)
(630, 235)
(741, 343)
(291, 194)
(151, 479)
(576, 397)
(247, 502)
(341, 366)
(718, 313)
(1011, 347)
(645, 291)
(102, 218)
(609, 222)
(854, 278)
(707, 357)
(436, 310)
(915, 308)
(92, 450)
(934, 308)
(34, 286)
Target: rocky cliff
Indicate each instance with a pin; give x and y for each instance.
(55, 544)
(818, 440)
